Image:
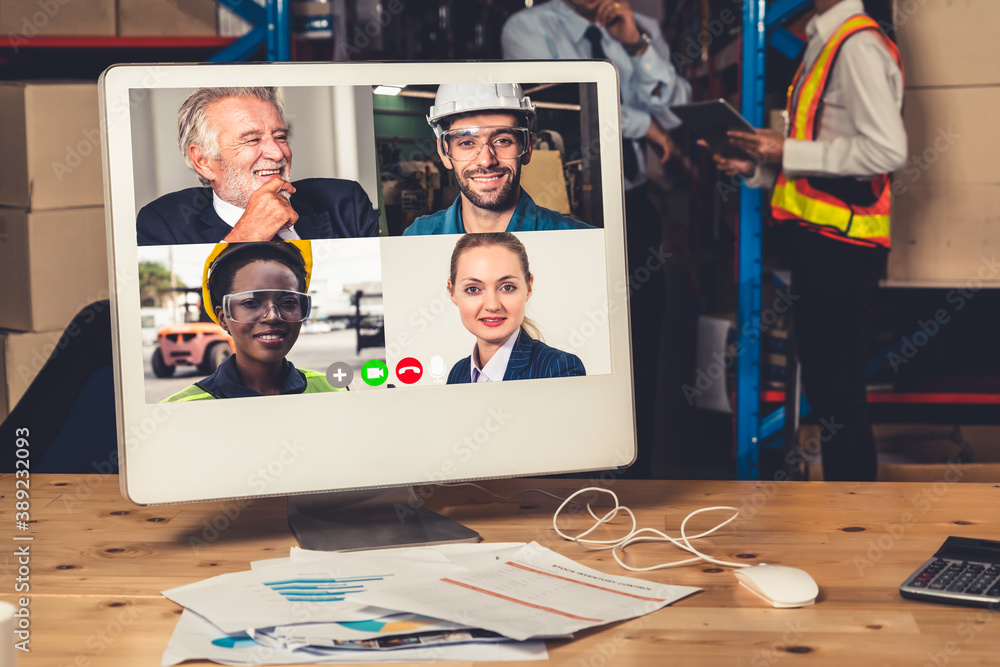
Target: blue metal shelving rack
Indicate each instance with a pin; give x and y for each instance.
(271, 24)
(761, 26)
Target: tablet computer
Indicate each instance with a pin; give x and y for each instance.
(710, 120)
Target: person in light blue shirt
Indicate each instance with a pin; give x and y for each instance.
(609, 30)
(484, 137)
(649, 87)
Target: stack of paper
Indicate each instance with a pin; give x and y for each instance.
(467, 602)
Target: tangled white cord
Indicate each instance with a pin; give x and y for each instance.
(617, 546)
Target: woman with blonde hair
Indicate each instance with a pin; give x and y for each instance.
(491, 283)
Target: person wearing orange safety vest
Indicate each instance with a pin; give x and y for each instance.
(831, 197)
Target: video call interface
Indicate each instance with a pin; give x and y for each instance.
(373, 281)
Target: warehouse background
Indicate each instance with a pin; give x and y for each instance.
(936, 399)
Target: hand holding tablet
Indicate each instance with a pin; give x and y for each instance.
(737, 145)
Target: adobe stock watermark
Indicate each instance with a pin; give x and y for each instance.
(583, 503)
(922, 502)
(958, 298)
(705, 378)
(917, 165)
(100, 641)
(420, 320)
(462, 451)
(691, 49)
(596, 319)
(753, 503)
(34, 22)
(259, 481)
(605, 652)
(767, 657)
(369, 30)
(88, 148)
(59, 341)
(967, 632)
(904, 11)
(137, 433)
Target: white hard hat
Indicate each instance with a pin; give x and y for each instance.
(458, 98)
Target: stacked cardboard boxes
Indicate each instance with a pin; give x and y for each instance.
(187, 18)
(946, 206)
(53, 248)
(23, 20)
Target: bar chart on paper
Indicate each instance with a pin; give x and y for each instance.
(321, 589)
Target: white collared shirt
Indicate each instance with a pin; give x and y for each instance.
(231, 214)
(496, 366)
(860, 130)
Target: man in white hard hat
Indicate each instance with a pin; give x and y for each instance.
(484, 136)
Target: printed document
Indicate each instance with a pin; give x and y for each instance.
(535, 593)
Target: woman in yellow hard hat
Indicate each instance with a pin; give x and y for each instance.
(257, 294)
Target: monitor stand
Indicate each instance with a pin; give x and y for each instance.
(370, 519)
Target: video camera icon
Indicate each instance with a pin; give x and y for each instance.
(374, 372)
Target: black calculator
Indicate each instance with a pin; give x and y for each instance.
(964, 571)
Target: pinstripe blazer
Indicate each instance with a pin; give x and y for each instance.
(529, 359)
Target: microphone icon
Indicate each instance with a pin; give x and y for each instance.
(437, 367)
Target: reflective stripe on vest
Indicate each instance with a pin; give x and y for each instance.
(794, 198)
(316, 382)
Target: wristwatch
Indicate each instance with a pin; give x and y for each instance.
(637, 46)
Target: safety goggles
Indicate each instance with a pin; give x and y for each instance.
(256, 305)
(466, 144)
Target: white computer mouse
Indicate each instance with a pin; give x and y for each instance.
(779, 585)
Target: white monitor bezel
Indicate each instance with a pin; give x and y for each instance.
(198, 451)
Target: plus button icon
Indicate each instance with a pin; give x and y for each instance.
(339, 374)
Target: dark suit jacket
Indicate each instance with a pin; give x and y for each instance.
(328, 208)
(529, 359)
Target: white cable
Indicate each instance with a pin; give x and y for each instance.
(634, 535)
(618, 546)
(497, 495)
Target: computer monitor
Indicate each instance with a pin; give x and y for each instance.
(376, 351)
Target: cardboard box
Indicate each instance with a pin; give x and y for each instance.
(946, 199)
(22, 355)
(926, 453)
(52, 265)
(167, 17)
(52, 145)
(952, 136)
(22, 20)
(544, 181)
(946, 234)
(927, 473)
(948, 43)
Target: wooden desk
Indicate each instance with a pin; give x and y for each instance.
(98, 564)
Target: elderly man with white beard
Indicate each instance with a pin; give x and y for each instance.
(236, 141)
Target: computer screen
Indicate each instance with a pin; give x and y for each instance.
(303, 302)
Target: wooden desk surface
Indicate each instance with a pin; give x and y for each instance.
(98, 564)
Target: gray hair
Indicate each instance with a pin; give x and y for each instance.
(192, 121)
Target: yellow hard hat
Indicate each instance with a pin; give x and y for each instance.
(303, 249)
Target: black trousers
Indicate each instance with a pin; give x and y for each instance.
(644, 232)
(832, 286)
